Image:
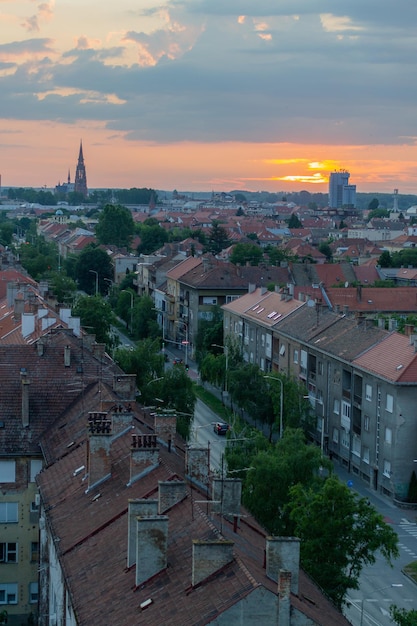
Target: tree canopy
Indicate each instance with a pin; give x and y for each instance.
(333, 521)
(96, 317)
(115, 226)
(152, 236)
(218, 239)
(244, 253)
(90, 260)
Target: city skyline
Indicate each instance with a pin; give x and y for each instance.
(207, 95)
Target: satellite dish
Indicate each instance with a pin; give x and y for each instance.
(311, 303)
(346, 284)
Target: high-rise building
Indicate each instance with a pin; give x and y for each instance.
(80, 184)
(341, 194)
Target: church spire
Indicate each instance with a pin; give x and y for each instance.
(80, 183)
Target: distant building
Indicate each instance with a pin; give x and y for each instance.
(65, 188)
(341, 194)
(80, 184)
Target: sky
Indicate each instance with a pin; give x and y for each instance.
(203, 95)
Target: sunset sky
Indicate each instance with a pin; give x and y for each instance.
(204, 95)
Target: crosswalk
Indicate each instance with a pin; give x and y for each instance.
(411, 529)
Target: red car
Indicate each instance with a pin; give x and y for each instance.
(221, 428)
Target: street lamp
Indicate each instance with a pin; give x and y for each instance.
(226, 354)
(131, 308)
(281, 404)
(186, 339)
(96, 273)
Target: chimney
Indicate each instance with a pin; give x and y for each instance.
(121, 419)
(67, 356)
(137, 508)
(98, 449)
(28, 323)
(19, 307)
(381, 323)
(98, 349)
(209, 557)
(197, 467)
(227, 497)
(165, 427)
(408, 329)
(413, 338)
(25, 397)
(151, 546)
(170, 492)
(283, 553)
(40, 347)
(284, 598)
(125, 386)
(337, 308)
(251, 287)
(144, 456)
(345, 309)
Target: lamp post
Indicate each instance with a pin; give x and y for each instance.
(131, 308)
(96, 273)
(281, 404)
(186, 339)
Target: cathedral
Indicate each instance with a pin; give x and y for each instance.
(80, 183)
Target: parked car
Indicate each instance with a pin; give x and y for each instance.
(177, 361)
(221, 428)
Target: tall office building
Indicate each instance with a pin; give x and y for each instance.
(341, 194)
(80, 183)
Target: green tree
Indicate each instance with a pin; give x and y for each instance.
(93, 259)
(244, 253)
(218, 239)
(385, 259)
(144, 319)
(38, 257)
(325, 249)
(210, 331)
(294, 222)
(378, 213)
(152, 236)
(63, 286)
(412, 488)
(276, 469)
(96, 317)
(402, 617)
(115, 226)
(6, 233)
(147, 363)
(277, 255)
(373, 205)
(344, 529)
(177, 392)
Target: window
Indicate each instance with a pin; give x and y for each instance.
(345, 418)
(319, 396)
(33, 593)
(345, 439)
(8, 552)
(231, 298)
(7, 471)
(34, 551)
(356, 446)
(365, 455)
(368, 392)
(295, 356)
(336, 406)
(388, 435)
(8, 593)
(366, 422)
(282, 350)
(389, 404)
(35, 468)
(335, 435)
(8, 512)
(387, 468)
(209, 300)
(336, 377)
(263, 340)
(320, 368)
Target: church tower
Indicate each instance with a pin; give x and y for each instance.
(80, 183)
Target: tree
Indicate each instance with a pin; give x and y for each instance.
(385, 259)
(96, 317)
(152, 236)
(210, 331)
(402, 617)
(218, 238)
(325, 249)
(115, 226)
(412, 488)
(144, 319)
(147, 363)
(244, 253)
(294, 222)
(63, 286)
(333, 521)
(374, 204)
(93, 259)
(276, 469)
(177, 392)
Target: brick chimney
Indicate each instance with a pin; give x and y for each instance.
(137, 508)
(25, 397)
(151, 546)
(227, 497)
(209, 557)
(121, 418)
(197, 466)
(170, 492)
(98, 449)
(67, 356)
(283, 553)
(19, 307)
(284, 596)
(144, 456)
(165, 427)
(125, 386)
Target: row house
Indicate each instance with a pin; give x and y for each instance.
(360, 378)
